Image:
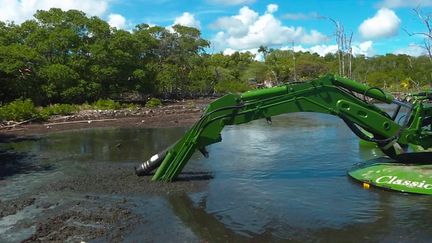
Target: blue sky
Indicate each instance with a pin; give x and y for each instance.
(378, 26)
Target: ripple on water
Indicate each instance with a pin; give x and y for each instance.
(282, 182)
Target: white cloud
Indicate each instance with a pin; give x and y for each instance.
(321, 50)
(254, 51)
(187, 19)
(117, 21)
(237, 26)
(230, 51)
(231, 2)
(234, 27)
(301, 16)
(313, 37)
(404, 3)
(385, 23)
(247, 16)
(363, 48)
(411, 50)
(271, 8)
(248, 30)
(21, 10)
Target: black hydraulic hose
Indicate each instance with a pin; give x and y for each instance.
(400, 118)
(396, 112)
(386, 141)
(350, 92)
(369, 89)
(428, 95)
(359, 133)
(391, 152)
(381, 142)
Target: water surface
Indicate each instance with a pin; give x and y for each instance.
(284, 182)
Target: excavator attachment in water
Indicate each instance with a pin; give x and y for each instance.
(333, 95)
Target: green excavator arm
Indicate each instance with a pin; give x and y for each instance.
(330, 94)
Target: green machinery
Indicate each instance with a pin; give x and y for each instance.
(402, 170)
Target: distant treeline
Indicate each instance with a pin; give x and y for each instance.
(67, 57)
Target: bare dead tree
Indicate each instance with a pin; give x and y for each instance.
(344, 47)
(346, 52)
(427, 46)
(341, 38)
(294, 62)
(338, 35)
(350, 55)
(426, 19)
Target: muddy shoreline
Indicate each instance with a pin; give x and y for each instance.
(173, 114)
(98, 204)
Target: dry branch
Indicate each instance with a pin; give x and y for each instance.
(17, 124)
(83, 121)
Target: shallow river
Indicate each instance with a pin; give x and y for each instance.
(281, 182)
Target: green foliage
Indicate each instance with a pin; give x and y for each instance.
(18, 110)
(131, 106)
(107, 104)
(153, 102)
(69, 57)
(58, 109)
(226, 86)
(61, 82)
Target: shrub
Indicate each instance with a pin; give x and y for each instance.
(227, 86)
(106, 105)
(131, 106)
(18, 110)
(58, 109)
(153, 102)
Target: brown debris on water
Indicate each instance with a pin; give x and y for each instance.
(86, 222)
(11, 207)
(121, 180)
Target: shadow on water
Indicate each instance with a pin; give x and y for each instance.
(13, 162)
(207, 226)
(195, 176)
(186, 176)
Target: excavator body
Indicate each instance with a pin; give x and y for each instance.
(402, 169)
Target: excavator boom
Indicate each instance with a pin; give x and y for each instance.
(329, 94)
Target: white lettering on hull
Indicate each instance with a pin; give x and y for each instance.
(394, 180)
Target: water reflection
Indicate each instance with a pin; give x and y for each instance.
(111, 145)
(388, 222)
(290, 182)
(17, 162)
